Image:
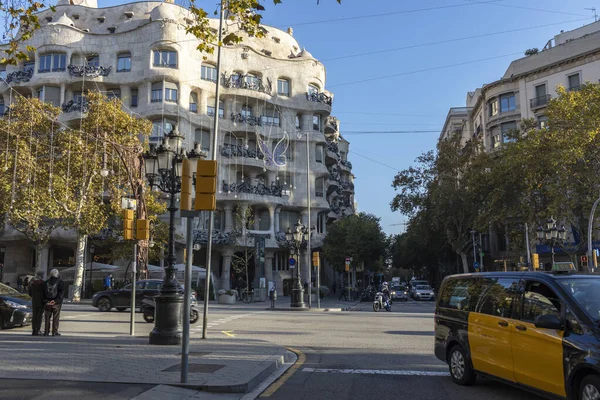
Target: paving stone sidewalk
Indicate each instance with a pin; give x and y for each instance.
(215, 365)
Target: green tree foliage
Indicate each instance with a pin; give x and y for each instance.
(358, 236)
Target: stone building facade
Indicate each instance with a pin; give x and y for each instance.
(272, 99)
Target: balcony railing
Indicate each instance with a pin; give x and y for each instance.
(80, 105)
(233, 150)
(246, 119)
(332, 146)
(539, 101)
(319, 97)
(89, 71)
(275, 189)
(349, 186)
(20, 76)
(248, 82)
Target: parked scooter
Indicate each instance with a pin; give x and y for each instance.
(149, 305)
(378, 303)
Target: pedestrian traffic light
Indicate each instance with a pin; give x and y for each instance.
(316, 259)
(206, 185)
(128, 224)
(584, 261)
(535, 259)
(142, 231)
(185, 202)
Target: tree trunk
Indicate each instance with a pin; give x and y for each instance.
(39, 247)
(80, 265)
(465, 262)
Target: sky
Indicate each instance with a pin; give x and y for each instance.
(410, 89)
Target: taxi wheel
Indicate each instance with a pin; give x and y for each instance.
(590, 388)
(460, 366)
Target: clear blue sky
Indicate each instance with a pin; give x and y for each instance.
(413, 101)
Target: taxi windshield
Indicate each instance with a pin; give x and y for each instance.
(586, 292)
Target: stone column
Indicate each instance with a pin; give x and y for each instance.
(277, 224)
(228, 217)
(44, 256)
(63, 88)
(256, 218)
(272, 220)
(226, 274)
(269, 257)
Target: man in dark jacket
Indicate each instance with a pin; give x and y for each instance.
(36, 291)
(54, 290)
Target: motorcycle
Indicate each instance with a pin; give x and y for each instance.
(378, 303)
(148, 305)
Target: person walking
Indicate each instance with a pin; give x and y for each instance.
(36, 291)
(54, 290)
(108, 282)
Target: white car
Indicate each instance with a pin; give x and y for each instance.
(413, 286)
(424, 292)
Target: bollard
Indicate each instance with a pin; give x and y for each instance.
(273, 297)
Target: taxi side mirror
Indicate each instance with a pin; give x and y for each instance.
(549, 321)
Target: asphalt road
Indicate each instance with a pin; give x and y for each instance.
(349, 355)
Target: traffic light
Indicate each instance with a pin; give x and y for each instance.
(535, 259)
(185, 203)
(143, 229)
(206, 186)
(584, 261)
(128, 224)
(316, 259)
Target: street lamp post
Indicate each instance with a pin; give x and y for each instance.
(163, 166)
(299, 237)
(552, 235)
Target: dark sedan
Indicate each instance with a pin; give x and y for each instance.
(15, 308)
(121, 298)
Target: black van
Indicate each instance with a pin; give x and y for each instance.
(535, 330)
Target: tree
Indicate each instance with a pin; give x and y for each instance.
(26, 179)
(243, 250)
(357, 236)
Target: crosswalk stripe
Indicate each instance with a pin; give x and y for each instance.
(376, 372)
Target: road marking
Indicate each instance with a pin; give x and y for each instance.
(287, 375)
(228, 333)
(377, 372)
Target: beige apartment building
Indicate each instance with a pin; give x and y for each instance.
(272, 99)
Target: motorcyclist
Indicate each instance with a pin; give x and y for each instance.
(385, 291)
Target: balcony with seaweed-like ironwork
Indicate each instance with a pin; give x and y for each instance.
(247, 82)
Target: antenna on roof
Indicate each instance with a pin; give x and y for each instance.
(593, 9)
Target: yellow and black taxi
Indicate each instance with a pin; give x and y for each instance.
(535, 330)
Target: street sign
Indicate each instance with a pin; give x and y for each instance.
(292, 262)
(476, 265)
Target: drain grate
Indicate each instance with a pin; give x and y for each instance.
(197, 368)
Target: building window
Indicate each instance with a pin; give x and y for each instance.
(319, 153)
(202, 136)
(156, 95)
(161, 128)
(508, 131)
(40, 93)
(29, 65)
(246, 111)
(124, 62)
(252, 81)
(316, 122)
(507, 102)
(574, 82)
(113, 94)
(193, 102)
(321, 218)
(52, 62)
(208, 72)
(543, 122)
(93, 61)
(134, 97)
(210, 108)
(313, 89)
(271, 117)
(165, 58)
(2, 108)
(3, 72)
(78, 97)
(288, 219)
(297, 122)
(493, 108)
(319, 187)
(496, 140)
(171, 95)
(283, 87)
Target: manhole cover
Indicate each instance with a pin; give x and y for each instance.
(198, 368)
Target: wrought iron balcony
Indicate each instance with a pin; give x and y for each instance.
(346, 164)
(275, 189)
(332, 146)
(332, 122)
(20, 76)
(246, 119)
(539, 101)
(89, 71)
(319, 97)
(219, 237)
(347, 186)
(233, 150)
(81, 105)
(249, 82)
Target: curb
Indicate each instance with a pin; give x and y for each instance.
(306, 309)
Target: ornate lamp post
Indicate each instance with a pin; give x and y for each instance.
(551, 235)
(163, 167)
(299, 238)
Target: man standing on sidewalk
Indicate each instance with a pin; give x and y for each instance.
(53, 298)
(36, 291)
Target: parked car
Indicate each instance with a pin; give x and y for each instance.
(15, 307)
(413, 286)
(399, 292)
(424, 292)
(121, 298)
(534, 330)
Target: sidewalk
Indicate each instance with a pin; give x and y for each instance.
(215, 365)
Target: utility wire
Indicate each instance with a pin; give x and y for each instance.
(524, 8)
(413, 46)
(423, 70)
(384, 132)
(375, 161)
